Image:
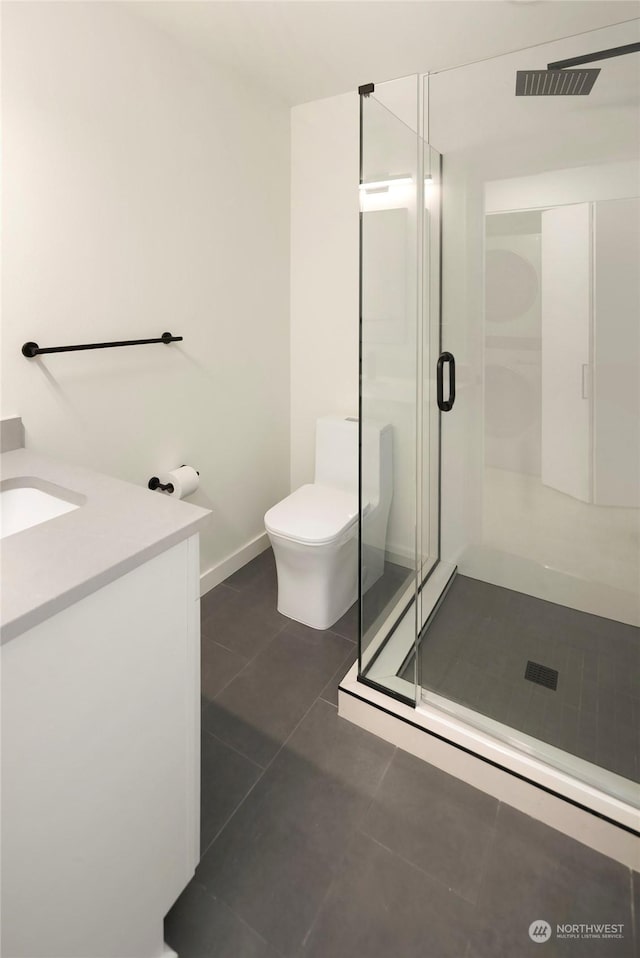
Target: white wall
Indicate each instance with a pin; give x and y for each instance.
(324, 289)
(145, 190)
(567, 242)
(580, 184)
(324, 270)
(512, 411)
(616, 346)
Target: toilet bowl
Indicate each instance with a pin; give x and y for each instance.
(314, 535)
(314, 531)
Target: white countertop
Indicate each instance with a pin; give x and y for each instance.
(50, 566)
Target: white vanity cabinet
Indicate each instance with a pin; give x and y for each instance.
(100, 765)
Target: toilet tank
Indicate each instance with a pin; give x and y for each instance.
(337, 457)
(377, 453)
(337, 452)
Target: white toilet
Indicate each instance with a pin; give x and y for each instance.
(314, 531)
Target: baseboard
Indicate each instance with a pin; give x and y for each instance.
(221, 571)
(400, 556)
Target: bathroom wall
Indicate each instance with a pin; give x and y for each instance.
(325, 169)
(146, 190)
(324, 270)
(512, 342)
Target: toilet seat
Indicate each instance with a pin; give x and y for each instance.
(313, 515)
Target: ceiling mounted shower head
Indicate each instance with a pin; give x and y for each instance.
(555, 82)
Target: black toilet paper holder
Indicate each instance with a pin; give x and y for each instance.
(154, 483)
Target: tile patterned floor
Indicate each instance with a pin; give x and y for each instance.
(320, 840)
(382, 598)
(477, 649)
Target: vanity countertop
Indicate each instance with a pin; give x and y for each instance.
(48, 567)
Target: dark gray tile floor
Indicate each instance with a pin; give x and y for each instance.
(320, 840)
(477, 648)
(378, 601)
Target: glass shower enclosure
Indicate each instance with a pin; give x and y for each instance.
(500, 241)
(402, 380)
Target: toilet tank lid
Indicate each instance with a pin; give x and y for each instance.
(314, 514)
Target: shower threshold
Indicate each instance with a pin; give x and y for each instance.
(387, 653)
(444, 734)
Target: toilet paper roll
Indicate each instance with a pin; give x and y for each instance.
(184, 480)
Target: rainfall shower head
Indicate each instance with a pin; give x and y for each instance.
(556, 80)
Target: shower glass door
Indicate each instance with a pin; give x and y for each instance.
(537, 641)
(399, 344)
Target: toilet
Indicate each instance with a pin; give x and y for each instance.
(314, 531)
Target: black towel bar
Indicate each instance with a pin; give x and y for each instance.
(32, 349)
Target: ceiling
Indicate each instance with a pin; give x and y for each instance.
(305, 49)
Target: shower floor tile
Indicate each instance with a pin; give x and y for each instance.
(477, 649)
(321, 840)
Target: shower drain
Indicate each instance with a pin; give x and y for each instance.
(542, 675)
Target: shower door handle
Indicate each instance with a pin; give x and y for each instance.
(446, 404)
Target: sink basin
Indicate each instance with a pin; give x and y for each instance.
(28, 501)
